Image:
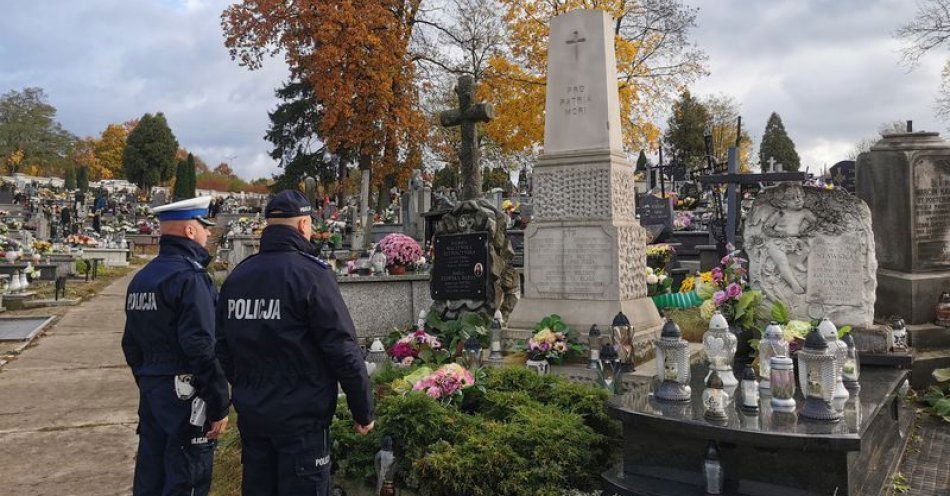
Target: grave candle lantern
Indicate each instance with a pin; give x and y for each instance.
(720, 347)
(472, 352)
(715, 399)
(623, 336)
(495, 344)
(839, 350)
(611, 366)
(816, 377)
(750, 391)
(672, 364)
(782, 379)
(943, 310)
(593, 342)
(852, 369)
(712, 470)
(898, 334)
(772, 344)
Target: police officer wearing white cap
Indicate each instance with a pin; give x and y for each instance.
(169, 342)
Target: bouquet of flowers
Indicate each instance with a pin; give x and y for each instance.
(400, 250)
(551, 341)
(419, 344)
(658, 282)
(658, 256)
(41, 246)
(446, 384)
(81, 240)
(9, 244)
(687, 203)
(683, 220)
(730, 293)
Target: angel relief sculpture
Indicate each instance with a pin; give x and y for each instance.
(787, 225)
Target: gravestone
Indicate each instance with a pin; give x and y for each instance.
(462, 267)
(585, 252)
(656, 216)
(813, 249)
(905, 179)
(842, 174)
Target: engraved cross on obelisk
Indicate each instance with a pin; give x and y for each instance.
(576, 42)
(466, 116)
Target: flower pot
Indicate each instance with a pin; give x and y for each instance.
(540, 366)
(397, 270)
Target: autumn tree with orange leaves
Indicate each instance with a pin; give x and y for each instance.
(355, 54)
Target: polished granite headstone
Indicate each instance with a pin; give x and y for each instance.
(768, 454)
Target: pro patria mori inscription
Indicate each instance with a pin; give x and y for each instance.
(572, 263)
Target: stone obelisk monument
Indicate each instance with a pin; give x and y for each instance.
(584, 249)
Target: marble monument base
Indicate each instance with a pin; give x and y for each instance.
(913, 296)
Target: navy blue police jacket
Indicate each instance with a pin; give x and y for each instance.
(170, 320)
(285, 340)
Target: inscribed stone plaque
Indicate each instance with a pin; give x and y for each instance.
(582, 105)
(656, 214)
(572, 263)
(813, 250)
(932, 212)
(461, 267)
(832, 277)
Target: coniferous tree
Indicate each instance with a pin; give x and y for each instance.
(82, 179)
(192, 178)
(181, 180)
(149, 156)
(642, 162)
(683, 139)
(70, 179)
(776, 144)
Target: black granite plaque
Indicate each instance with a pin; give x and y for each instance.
(517, 245)
(656, 214)
(842, 174)
(461, 267)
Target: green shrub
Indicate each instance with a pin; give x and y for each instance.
(501, 406)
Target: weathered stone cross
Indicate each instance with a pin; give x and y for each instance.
(576, 42)
(466, 116)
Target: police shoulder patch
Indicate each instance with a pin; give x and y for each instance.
(312, 258)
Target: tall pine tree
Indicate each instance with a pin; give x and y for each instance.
(776, 144)
(192, 176)
(70, 179)
(185, 178)
(685, 130)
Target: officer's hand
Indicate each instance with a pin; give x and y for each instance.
(218, 428)
(364, 429)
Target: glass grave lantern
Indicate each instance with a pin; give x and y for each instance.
(771, 345)
(611, 368)
(495, 343)
(839, 350)
(715, 399)
(750, 391)
(378, 261)
(421, 321)
(593, 342)
(898, 334)
(672, 364)
(782, 379)
(816, 377)
(852, 368)
(720, 343)
(472, 352)
(623, 336)
(375, 356)
(943, 310)
(713, 476)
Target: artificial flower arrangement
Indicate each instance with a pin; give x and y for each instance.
(14, 225)
(81, 240)
(400, 250)
(40, 246)
(145, 227)
(447, 384)
(688, 285)
(658, 282)
(9, 244)
(418, 345)
(729, 292)
(552, 341)
(795, 331)
(687, 203)
(509, 206)
(683, 220)
(659, 255)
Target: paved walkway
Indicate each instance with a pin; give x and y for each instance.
(68, 407)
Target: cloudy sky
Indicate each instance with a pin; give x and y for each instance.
(829, 67)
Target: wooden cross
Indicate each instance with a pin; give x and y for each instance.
(466, 116)
(576, 42)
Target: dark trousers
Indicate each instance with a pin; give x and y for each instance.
(173, 457)
(297, 465)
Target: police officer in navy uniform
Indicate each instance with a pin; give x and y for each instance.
(286, 340)
(169, 344)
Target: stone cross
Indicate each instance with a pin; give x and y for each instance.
(467, 115)
(771, 165)
(576, 42)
